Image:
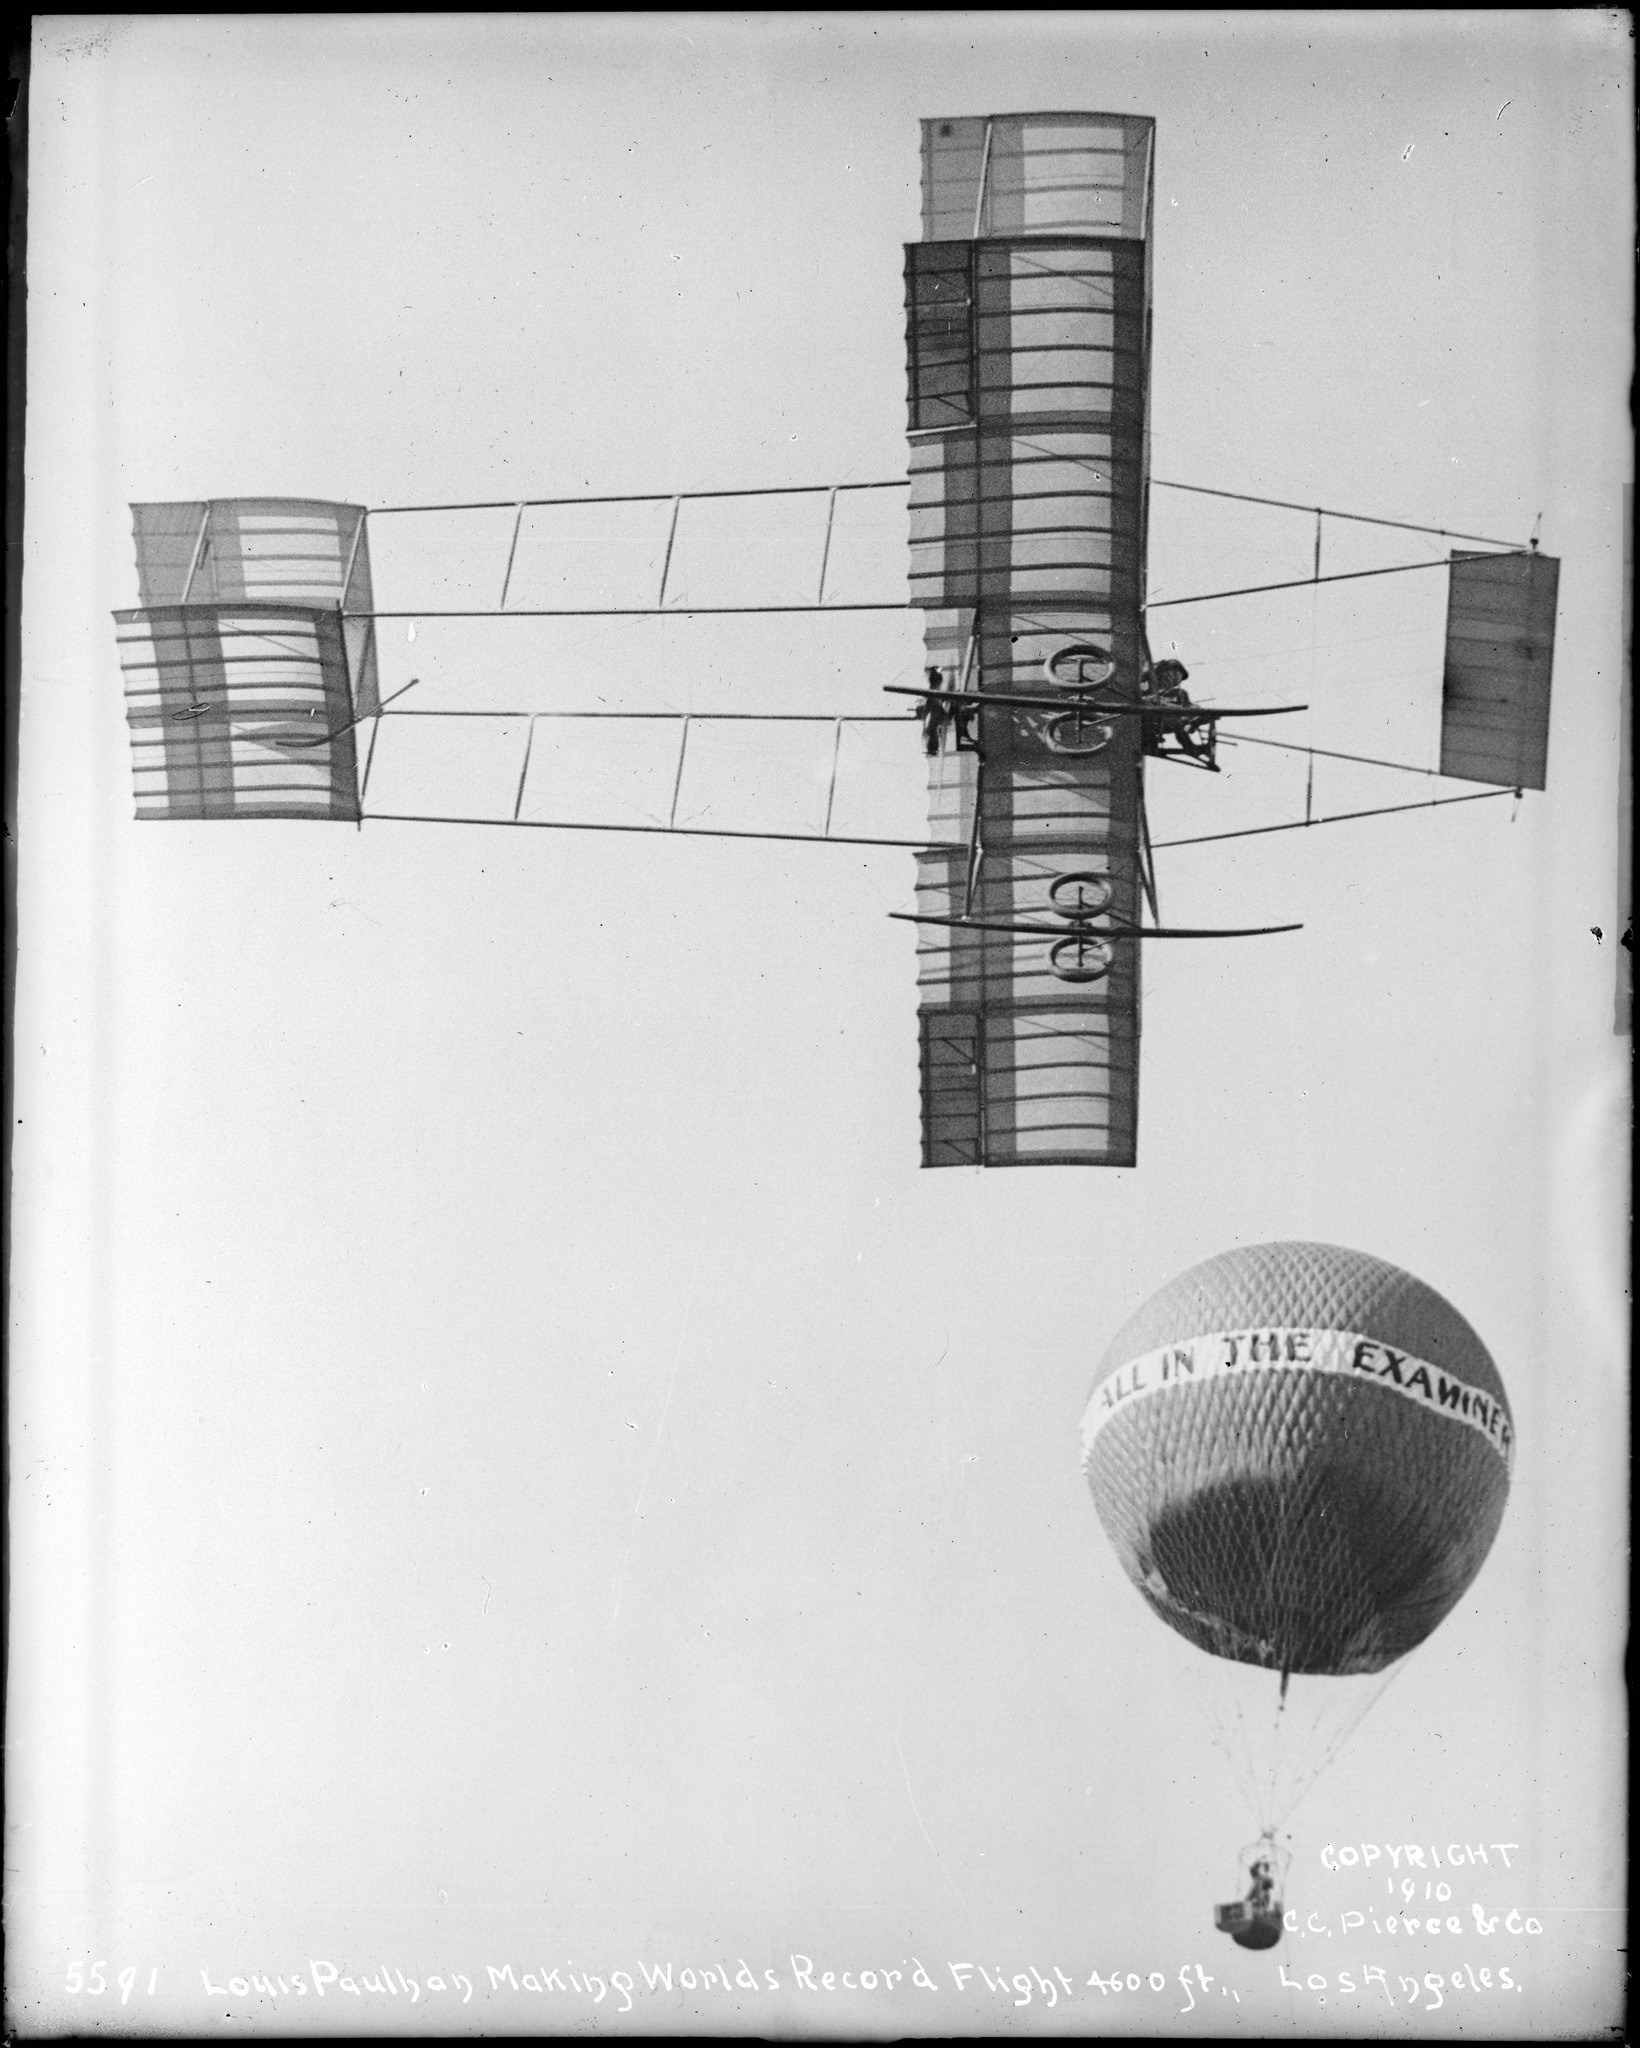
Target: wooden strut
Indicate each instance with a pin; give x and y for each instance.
(512, 553)
(976, 837)
(524, 772)
(677, 784)
(831, 793)
(199, 552)
(671, 536)
(825, 552)
(352, 558)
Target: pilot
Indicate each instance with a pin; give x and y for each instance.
(1167, 686)
(1167, 681)
(934, 714)
(1261, 1897)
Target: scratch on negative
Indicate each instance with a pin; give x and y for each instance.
(928, 1838)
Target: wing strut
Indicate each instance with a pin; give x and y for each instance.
(1147, 865)
(976, 845)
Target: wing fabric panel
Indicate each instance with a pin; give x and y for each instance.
(1028, 375)
(252, 657)
(168, 540)
(1046, 498)
(238, 711)
(257, 550)
(953, 1133)
(1500, 640)
(1032, 174)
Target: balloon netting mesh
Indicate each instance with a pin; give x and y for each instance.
(1295, 1520)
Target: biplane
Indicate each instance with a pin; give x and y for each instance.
(253, 661)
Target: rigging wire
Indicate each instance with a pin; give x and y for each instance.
(1157, 604)
(925, 845)
(1278, 1744)
(700, 717)
(901, 482)
(1332, 1731)
(1327, 753)
(1358, 518)
(646, 611)
(887, 483)
(1436, 803)
(879, 605)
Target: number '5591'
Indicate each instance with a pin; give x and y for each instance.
(97, 1983)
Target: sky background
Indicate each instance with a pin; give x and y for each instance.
(511, 1458)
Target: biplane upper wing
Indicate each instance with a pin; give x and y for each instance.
(303, 551)
(1028, 345)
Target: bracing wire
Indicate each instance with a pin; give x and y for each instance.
(1438, 803)
(900, 482)
(1157, 604)
(1238, 739)
(1328, 511)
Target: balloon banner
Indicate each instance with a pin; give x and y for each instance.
(1222, 1354)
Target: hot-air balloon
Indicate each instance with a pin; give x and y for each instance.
(256, 663)
(1300, 1455)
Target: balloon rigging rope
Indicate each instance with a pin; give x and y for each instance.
(1231, 1737)
(1306, 1773)
(1298, 1744)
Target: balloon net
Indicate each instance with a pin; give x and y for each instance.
(1297, 1521)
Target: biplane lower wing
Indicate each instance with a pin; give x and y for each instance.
(239, 711)
(1020, 1066)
